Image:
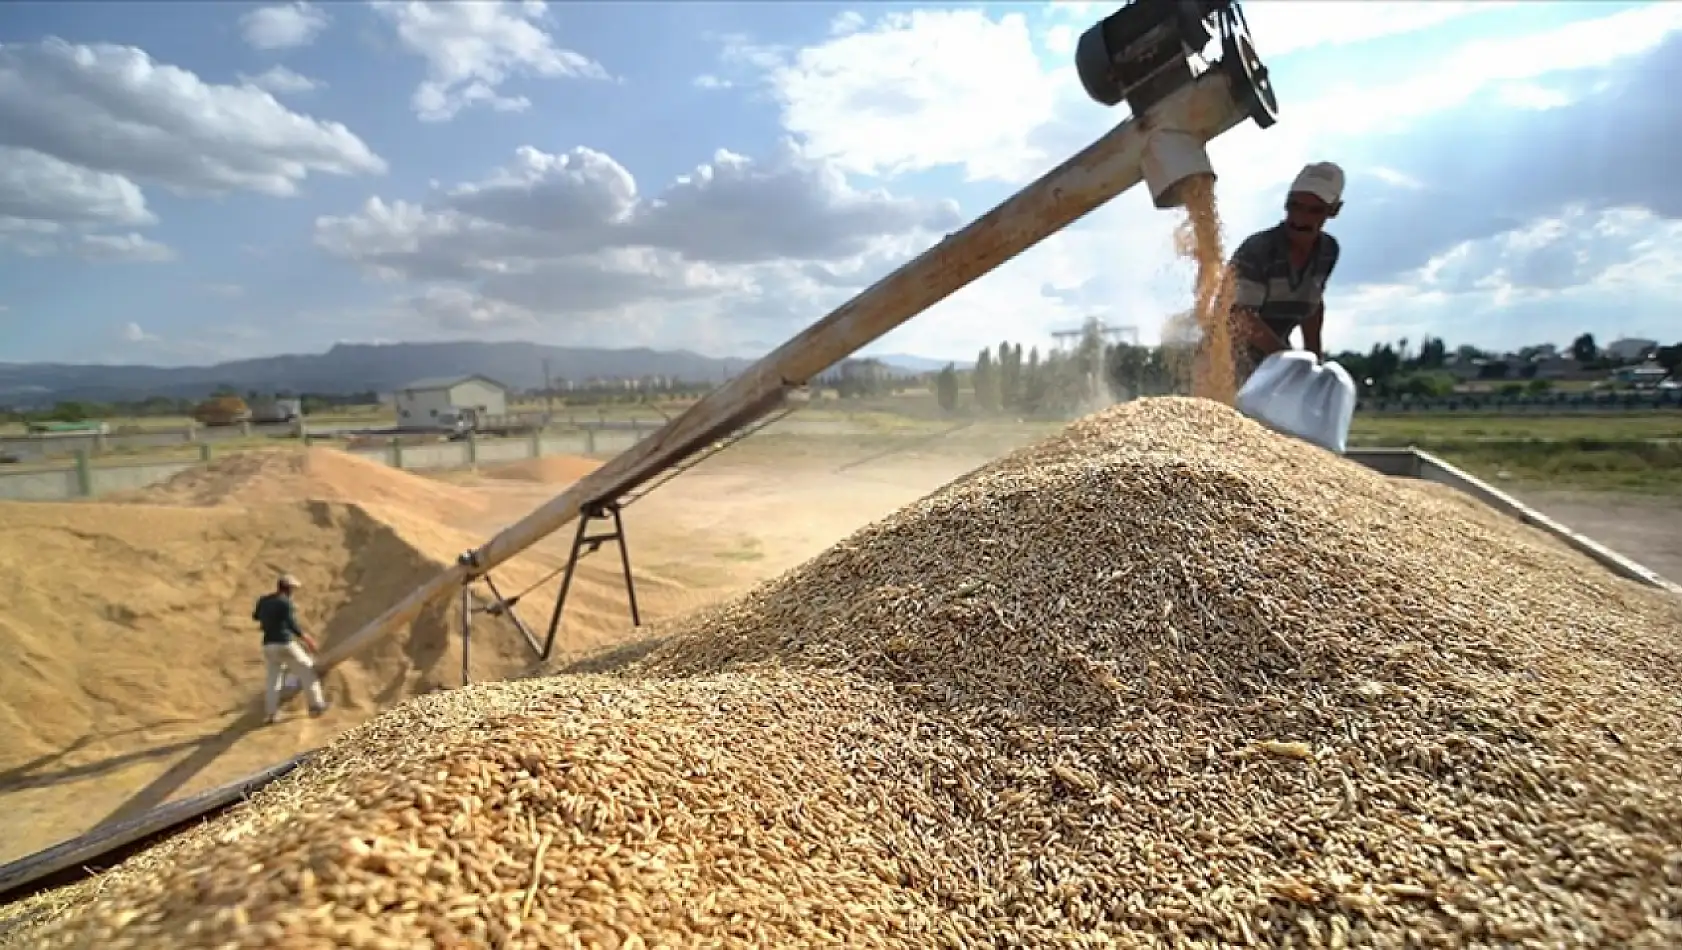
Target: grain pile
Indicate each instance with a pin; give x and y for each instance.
(132, 656)
(550, 469)
(316, 473)
(1166, 677)
(117, 618)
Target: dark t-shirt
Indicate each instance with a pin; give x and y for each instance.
(1266, 284)
(278, 617)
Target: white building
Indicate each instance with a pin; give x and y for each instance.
(449, 402)
(1629, 350)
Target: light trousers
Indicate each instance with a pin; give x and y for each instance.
(283, 658)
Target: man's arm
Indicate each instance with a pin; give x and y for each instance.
(1316, 322)
(1311, 328)
(292, 625)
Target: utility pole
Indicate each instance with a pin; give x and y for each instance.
(548, 394)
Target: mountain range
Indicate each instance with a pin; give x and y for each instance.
(360, 367)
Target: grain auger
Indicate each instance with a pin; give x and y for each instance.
(1143, 54)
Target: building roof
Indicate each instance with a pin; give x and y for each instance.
(446, 382)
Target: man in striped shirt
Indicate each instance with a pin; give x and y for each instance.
(1281, 273)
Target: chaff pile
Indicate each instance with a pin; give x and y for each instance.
(1165, 678)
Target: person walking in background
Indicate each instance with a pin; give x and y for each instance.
(1281, 273)
(283, 652)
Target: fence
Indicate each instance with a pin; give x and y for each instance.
(89, 477)
(1548, 403)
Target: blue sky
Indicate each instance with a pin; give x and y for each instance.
(187, 183)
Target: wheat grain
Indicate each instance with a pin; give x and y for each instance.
(1164, 680)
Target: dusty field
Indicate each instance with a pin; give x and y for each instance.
(138, 673)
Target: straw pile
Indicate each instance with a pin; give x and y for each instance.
(1165, 678)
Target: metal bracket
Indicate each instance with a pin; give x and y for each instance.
(585, 543)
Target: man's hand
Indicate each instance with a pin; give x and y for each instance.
(1258, 334)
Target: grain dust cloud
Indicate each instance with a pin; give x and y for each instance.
(1212, 373)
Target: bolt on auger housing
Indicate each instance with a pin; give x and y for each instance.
(1143, 54)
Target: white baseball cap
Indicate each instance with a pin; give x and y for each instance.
(1323, 180)
(289, 582)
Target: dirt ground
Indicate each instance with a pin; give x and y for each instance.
(120, 703)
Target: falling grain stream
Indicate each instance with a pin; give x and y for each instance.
(1212, 371)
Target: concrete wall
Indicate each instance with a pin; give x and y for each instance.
(128, 476)
(99, 477)
(34, 447)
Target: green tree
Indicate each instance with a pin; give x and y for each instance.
(1383, 364)
(1034, 383)
(71, 412)
(1010, 376)
(986, 380)
(1433, 352)
(946, 388)
(1584, 350)
(1670, 357)
(1129, 370)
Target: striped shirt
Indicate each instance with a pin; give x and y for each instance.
(1266, 283)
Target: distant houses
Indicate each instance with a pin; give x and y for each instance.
(1623, 362)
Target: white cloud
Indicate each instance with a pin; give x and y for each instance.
(1282, 27)
(471, 49)
(40, 188)
(1511, 64)
(48, 207)
(282, 81)
(1544, 281)
(134, 333)
(123, 247)
(283, 27)
(460, 309)
(911, 93)
(113, 109)
(849, 21)
(564, 237)
(1061, 39)
(82, 127)
(225, 291)
(903, 93)
(733, 210)
(709, 81)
